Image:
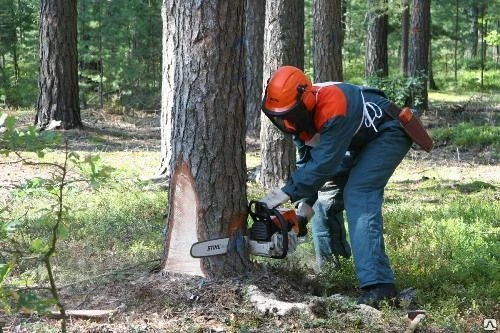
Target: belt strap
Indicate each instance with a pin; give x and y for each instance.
(393, 111)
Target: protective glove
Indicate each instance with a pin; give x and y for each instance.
(275, 198)
(304, 214)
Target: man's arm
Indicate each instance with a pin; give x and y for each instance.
(324, 159)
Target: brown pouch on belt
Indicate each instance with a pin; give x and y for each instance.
(412, 126)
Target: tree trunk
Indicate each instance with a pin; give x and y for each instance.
(455, 46)
(308, 35)
(99, 52)
(474, 28)
(432, 82)
(484, 31)
(376, 61)
(254, 48)
(203, 107)
(283, 45)
(58, 81)
(169, 41)
(405, 31)
(8, 40)
(418, 51)
(82, 44)
(328, 40)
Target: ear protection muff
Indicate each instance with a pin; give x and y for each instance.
(307, 96)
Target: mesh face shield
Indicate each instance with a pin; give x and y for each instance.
(293, 121)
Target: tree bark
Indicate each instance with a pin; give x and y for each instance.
(169, 42)
(204, 110)
(254, 47)
(405, 30)
(328, 40)
(376, 60)
(58, 80)
(419, 50)
(283, 45)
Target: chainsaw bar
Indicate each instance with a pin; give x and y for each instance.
(212, 247)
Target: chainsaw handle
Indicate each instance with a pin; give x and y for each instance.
(284, 233)
(259, 211)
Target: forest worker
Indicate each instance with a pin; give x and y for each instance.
(354, 142)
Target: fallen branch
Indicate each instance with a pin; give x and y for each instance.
(84, 314)
(267, 303)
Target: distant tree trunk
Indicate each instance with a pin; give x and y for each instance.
(484, 32)
(254, 48)
(204, 110)
(405, 31)
(328, 40)
(474, 28)
(283, 45)
(15, 59)
(432, 83)
(58, 77)
(344, 5)
(83, 38)
(497, 48)
(455, 48)
(8, 39)
(99, 52)
(376, 60)
(418, 51)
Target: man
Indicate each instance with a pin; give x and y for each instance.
(354, 142)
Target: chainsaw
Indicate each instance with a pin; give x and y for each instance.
(274, 233)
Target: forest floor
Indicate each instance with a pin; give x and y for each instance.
(149, 301)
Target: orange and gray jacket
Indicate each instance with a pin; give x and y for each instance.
(346, 118)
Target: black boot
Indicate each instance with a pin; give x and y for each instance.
(377, 293)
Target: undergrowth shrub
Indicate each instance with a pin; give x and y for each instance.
(469, 135)
(26, 240)
(399, 89)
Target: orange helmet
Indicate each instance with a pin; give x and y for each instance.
(289, 100)
(285, 89)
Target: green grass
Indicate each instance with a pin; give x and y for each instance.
(443, 237)
(469, 135)
(115, 226)
(448, 249)
(469, 80)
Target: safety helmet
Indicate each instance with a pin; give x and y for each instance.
(289, 100)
